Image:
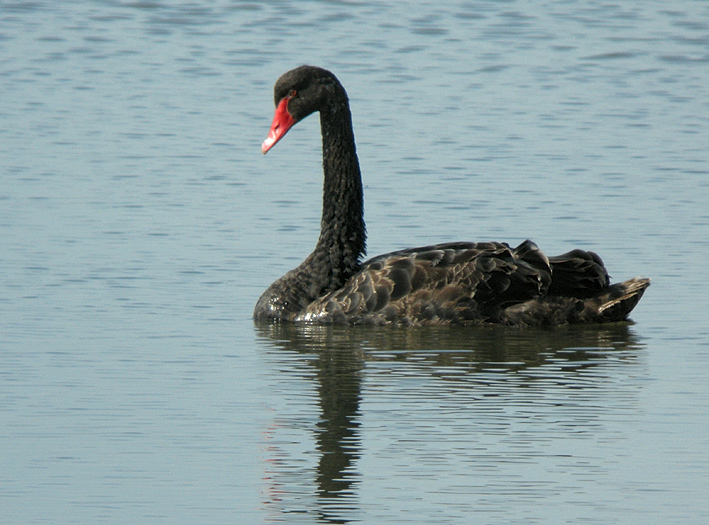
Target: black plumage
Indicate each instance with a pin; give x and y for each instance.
(461, 282)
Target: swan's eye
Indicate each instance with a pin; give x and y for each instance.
(292, 93)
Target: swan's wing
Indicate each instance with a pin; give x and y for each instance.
(578, 274)
(454, 282)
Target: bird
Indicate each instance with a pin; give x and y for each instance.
(453, 283)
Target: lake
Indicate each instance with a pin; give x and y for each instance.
(140, 223)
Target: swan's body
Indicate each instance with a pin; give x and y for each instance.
(441, 284)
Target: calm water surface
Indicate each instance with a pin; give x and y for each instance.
(140, 223)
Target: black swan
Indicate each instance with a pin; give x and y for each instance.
(460, 282)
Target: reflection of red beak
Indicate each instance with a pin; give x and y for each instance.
(282, 122)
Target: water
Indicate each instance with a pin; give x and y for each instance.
(140, 223)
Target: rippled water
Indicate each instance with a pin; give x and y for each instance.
(140, 223)
(445, 425)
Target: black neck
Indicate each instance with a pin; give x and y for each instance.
(342, 239)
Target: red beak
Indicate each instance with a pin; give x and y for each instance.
(282, 122)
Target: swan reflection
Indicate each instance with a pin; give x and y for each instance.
(478, 364)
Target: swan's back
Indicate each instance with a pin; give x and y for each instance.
(469, 283)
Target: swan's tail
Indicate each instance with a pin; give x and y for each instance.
(620, 299)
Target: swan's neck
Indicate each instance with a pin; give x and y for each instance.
(342, 240)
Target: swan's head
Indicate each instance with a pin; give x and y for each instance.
(298, 93)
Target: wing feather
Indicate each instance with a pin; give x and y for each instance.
(436, 284)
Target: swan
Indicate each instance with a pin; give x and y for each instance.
(449, 283)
